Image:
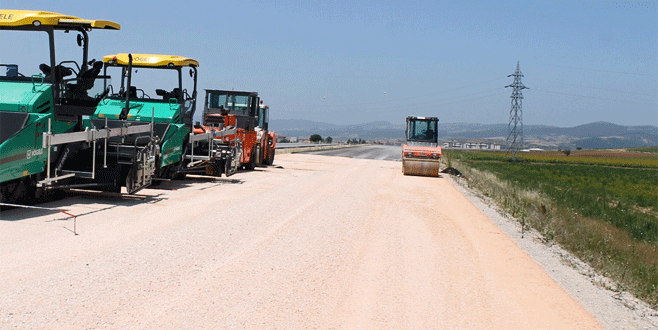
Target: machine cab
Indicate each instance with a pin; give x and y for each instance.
(244, 106)
(70, 83)
(422, 131)
(263, 115)
(150, 82)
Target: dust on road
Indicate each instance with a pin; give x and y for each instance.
(314, 242)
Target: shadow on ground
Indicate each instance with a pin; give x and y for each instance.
(60, 202)
(191, 181)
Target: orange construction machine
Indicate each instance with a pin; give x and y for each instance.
(421, 153)
(239, 123)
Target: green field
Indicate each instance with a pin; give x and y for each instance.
(600, 205)
(641, 158)
(624, 197)
(647, 149)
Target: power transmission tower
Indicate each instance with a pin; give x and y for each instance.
(515, 126)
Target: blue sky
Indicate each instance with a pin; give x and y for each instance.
(347, 62)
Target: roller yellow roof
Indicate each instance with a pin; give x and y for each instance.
(18, 18)
(152, 60)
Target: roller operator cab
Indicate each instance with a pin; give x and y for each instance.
(421, 154)
(152, 88)
(42, 99)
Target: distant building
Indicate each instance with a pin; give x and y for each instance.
(471, 145)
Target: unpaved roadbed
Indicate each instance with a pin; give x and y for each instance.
(313, 242)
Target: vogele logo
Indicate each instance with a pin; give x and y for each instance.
(6, 16)
(32, 153)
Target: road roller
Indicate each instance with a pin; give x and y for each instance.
(421, 153)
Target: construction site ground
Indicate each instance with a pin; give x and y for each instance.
(313, 242)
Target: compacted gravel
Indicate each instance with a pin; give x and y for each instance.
(314, 242)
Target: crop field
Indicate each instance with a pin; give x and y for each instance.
(647, 149)
(602, 205)
(626, 198)
(640, 158)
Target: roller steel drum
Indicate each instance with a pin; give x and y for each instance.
(422, 167)
(421, 159)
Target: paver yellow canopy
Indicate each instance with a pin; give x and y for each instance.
(24, 19)
(151, 60)
(421, 154)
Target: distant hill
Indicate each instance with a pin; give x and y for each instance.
(594, 135)
(368, 131)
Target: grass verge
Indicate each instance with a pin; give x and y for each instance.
(605, 216)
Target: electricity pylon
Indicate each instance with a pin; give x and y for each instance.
(515, 126)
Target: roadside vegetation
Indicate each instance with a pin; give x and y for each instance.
(638, 158)
(647, 149)
(602, 206)
(315, 138)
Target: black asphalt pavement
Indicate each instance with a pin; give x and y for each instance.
(380, 152)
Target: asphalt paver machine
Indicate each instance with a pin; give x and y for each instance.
(42, 109)
(170, 106)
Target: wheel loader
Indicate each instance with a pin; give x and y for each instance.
(421, 154)
(41, 113)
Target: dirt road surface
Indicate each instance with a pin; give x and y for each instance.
(314, 242)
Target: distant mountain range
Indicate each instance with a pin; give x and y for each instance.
(597, 135)
(368, 131)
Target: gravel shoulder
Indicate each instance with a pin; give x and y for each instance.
(614, 309)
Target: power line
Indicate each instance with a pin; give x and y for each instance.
(475, 98)
(436, 103)
(404, 99)
(591, 97)
(440, 100)
(423, 103)
(388, 101)
(406, 106)
(603, 89)
(599, 70)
